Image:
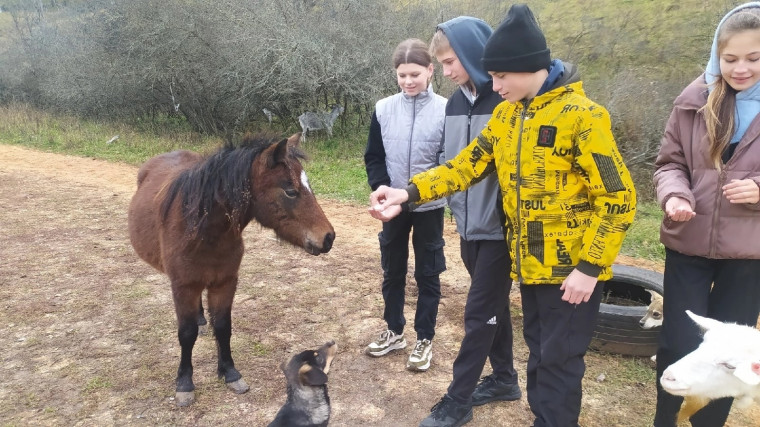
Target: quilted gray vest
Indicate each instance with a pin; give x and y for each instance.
(412, 129)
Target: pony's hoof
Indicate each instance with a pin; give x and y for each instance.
(238, 386)
(184, 398)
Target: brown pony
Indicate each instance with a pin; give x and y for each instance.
(186, 219)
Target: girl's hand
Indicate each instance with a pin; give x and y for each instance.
(385, 202)
(578, 287)
(679, 209)
(742, 191)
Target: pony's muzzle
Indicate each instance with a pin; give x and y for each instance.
(323, 248)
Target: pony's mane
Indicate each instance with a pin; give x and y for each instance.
(221, 180)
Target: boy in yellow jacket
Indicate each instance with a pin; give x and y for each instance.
(568, 197)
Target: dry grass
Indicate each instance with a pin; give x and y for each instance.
(89, 332)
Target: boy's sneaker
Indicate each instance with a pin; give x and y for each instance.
(419, 360)
(448, 413)
(491, 389)
(387, 342)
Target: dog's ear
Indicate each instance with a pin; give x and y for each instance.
(655, 296)
(312, 376)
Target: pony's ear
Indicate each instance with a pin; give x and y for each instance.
(279, 153)
(295, 139)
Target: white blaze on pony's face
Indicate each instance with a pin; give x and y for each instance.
(727, 363)
(305, 181)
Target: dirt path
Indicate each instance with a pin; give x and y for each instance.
(89, 333)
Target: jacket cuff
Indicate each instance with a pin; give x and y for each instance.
(588, 269)
(414, 197)
(376, 186)
(414, 193)
(755, 206)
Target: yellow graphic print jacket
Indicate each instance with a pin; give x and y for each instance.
(568, 196)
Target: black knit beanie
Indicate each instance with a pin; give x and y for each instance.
(517, 45)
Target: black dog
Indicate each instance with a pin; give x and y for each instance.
(307, 403)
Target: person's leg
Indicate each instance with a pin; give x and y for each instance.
(488, 263)
(532, 336)
(686, 282)
(501, 354)
(394, 256)
(427, 240)
(566, 331)
(735, 297)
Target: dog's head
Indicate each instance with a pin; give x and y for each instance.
(310, 367)
(653, 318)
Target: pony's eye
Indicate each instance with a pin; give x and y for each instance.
(291, 192)
(727, 365)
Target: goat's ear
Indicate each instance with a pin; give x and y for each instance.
(295, 139)
(705, 323)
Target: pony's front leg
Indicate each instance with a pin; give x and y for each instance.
(220, 309)
(186, 307)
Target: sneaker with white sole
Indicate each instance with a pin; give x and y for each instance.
(419, 360)
(387, 342)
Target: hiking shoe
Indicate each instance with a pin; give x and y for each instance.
(387, 342)
(492, 388)
(419, 360)
(448, 413)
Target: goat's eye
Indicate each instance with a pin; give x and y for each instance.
(727, 365)
(291, 192)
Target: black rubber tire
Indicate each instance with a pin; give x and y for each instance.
(617, 329)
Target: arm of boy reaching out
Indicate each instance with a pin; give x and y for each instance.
(470, 166)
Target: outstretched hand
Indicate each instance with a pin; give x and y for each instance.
(742, 191)
(679, 209)
(385, 202)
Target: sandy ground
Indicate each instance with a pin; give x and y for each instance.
(89, 334)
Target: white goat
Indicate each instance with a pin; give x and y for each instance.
(726, 364)
(317, 121)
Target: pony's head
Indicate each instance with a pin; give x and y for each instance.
(281, 198)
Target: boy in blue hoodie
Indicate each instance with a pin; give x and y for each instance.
(458, 45)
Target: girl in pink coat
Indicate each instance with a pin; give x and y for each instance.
(708, 184)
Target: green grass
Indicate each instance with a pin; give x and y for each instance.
(137, 141)
(643, 238)
(336, 168)
(335, 165)
(97, 383)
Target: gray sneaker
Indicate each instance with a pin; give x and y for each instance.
(419, 360)
(387, 342)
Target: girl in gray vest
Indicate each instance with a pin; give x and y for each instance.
(404, 139)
